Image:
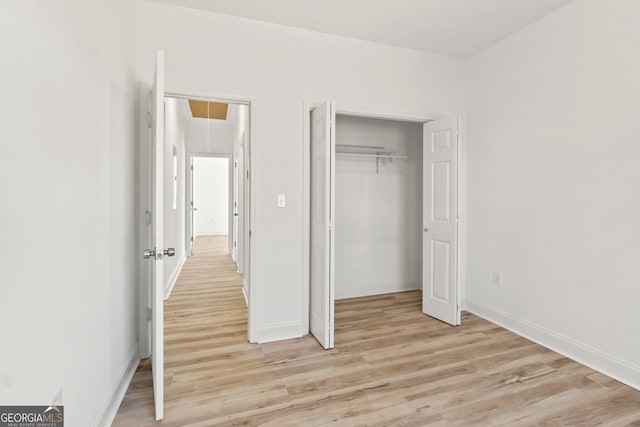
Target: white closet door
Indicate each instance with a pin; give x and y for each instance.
(440, 225)
(157, 284)
(322, 215)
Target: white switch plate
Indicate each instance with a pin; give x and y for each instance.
(282, 201)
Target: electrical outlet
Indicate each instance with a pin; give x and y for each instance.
(497, 278)
(282, 201)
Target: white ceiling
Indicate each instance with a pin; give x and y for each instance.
(451, 27)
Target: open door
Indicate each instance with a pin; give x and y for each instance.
(440, 220)
(321, 296)
(235, 207)
(156, 254)
(191, 218)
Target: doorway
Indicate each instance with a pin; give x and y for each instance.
(210, 198)
(188, 136)
(414, 245)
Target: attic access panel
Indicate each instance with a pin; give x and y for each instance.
(208, 110)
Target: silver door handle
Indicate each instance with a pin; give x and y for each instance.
(149, 253)
(169, 252)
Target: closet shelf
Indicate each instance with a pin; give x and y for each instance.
(382, 155)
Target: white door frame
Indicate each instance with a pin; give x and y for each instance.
(189, 157)
(374, 113)
(144, 333)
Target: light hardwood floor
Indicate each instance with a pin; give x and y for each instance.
(392, 366)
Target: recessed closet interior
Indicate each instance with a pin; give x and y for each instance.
(378, 206)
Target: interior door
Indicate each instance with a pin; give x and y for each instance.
(192, 211)
(440, 220)
(157, 194)
(321, 296)
(234, 248)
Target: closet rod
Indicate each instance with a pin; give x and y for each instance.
(385, 156)
(366, 147)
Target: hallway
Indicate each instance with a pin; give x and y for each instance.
(205, 315)
(392, 366)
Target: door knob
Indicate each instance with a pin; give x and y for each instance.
(426, 230)
(149, 253)
(169, 252)
(235, 214)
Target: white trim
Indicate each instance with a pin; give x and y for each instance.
(377, 113)
(213, 233)
(377, 288)
(174, 277)
(110, 408)
(244, 294)
(281, 331)
(209, 96)
(598, 360)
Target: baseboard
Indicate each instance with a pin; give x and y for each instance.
(212, 233)
(244, 294)
(110, 409)
(598, 360)
(279, 332)
(379, 288)
(174, 278)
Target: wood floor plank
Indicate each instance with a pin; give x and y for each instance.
(392, 366)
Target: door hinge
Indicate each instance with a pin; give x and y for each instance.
(149, 119)
(148, 217)
(149, 312)
(330, 225)
(249, 233)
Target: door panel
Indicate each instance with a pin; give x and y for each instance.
(440, 224)
(157, 283)
(322, 214)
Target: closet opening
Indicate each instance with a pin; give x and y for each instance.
(378, 206)
(383, 212)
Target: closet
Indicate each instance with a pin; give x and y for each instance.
(383, 212)
(378, 206)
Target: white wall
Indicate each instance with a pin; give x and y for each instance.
(209, 136)
(378, 214)
(176, 116)
(211, 195)
(281, 68)
(67, 276)
(553, 171)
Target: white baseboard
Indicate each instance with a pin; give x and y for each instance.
(598, 360)
(110, 409)
(212, 233)
(366, 289)
(174, 277)
(244, 293)
(279, 332)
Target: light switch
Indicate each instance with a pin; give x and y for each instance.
(282, 201)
